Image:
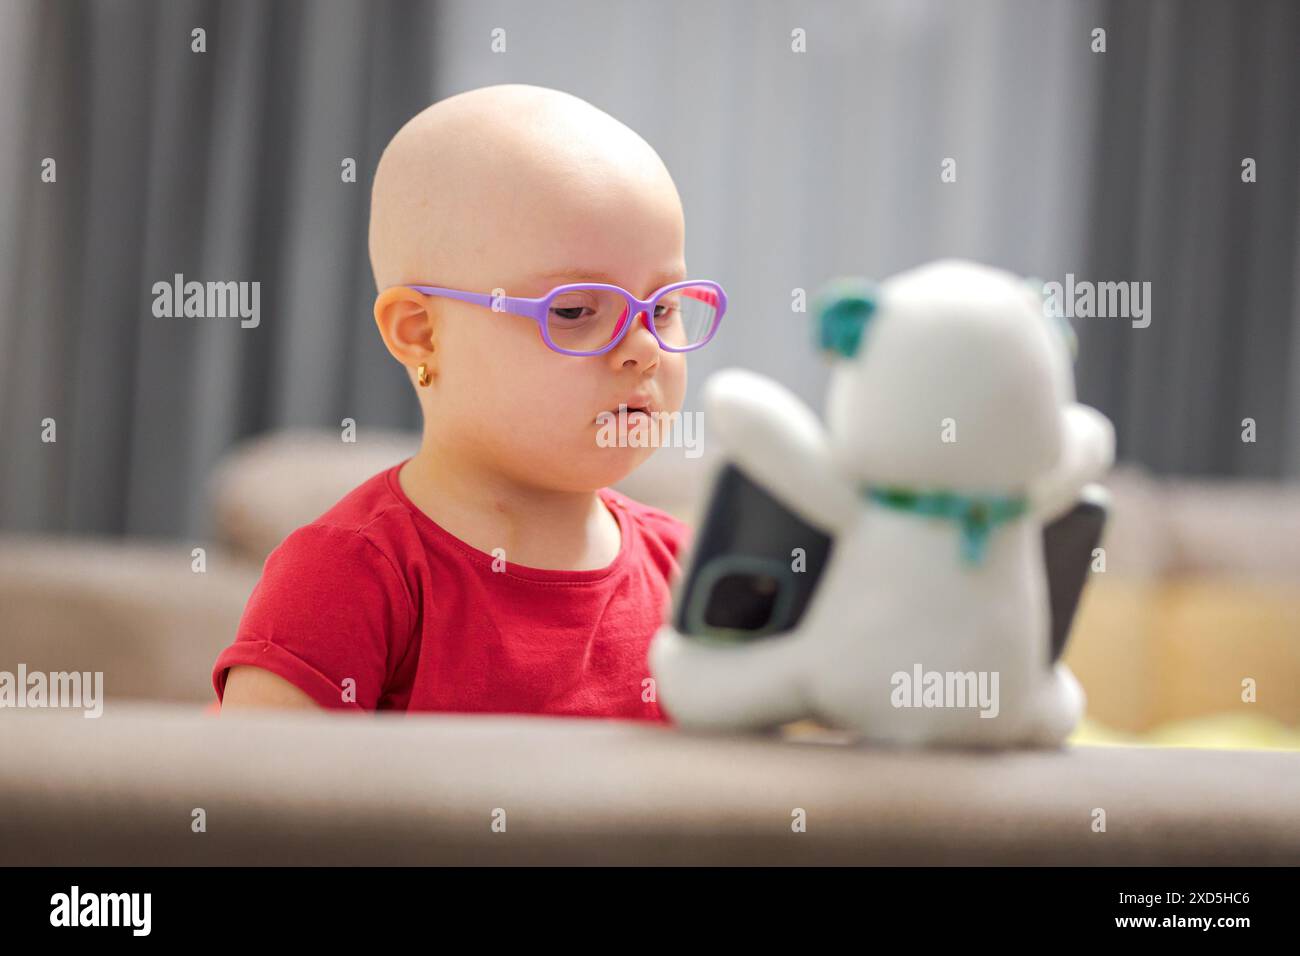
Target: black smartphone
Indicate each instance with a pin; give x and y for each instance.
(745, 580)
(1068, 544)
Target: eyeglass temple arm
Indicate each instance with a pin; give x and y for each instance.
(532, 308)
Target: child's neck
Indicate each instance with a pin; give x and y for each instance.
(536, 527)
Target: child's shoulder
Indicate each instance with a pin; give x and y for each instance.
(369, 503)
(365, 520)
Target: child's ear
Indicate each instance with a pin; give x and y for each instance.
(406, 324)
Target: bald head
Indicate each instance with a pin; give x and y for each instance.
(502, 181)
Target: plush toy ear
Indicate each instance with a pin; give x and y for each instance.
(843, 310)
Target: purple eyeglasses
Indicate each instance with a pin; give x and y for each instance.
(590, 318)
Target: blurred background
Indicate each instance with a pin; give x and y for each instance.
(1122, 164)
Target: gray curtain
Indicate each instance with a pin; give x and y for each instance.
(793, 167)
(224, 165)
(1187, 91)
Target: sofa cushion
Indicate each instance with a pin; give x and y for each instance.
(1240, 528)
(273, 484)
(316, 788)
(136, 610)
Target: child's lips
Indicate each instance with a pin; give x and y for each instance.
(632, 406)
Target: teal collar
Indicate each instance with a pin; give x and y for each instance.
(977, 515)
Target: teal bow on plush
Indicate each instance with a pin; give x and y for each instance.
(977, 515)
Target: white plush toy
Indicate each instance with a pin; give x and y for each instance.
(952, 437)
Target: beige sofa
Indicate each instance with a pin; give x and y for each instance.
(1198, 593)
(322, 788)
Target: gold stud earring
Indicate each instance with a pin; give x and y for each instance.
(422, 375)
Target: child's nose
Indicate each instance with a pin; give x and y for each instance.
(622, 320)
(644, 349)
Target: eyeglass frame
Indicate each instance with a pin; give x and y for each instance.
(537, 309)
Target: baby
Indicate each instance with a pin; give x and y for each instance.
(528, 251)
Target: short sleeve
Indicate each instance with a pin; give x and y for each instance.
(673, 532)
(324, 616)
(678, 536)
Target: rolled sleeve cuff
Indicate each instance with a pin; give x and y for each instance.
(283, 663)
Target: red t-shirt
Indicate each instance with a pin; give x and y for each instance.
(376, 592)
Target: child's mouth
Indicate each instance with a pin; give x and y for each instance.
(633, 413)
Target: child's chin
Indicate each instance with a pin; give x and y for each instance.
(609, 466)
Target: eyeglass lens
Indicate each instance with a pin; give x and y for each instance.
(586, 320)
